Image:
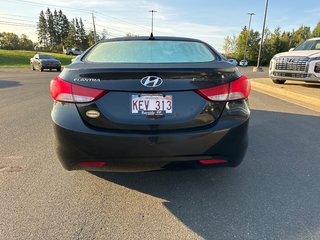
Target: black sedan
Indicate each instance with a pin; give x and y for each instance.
(45, 61)
(148, 103)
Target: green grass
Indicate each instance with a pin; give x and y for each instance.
(21, 59)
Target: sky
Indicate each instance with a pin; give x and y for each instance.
(209, 20)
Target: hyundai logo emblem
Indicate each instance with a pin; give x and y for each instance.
(151, 81)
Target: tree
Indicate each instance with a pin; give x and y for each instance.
(25, 43)
(83, 36)
(267, 46)
(63, 26)
(90, 38)
(252, 48)
(230, 46)
(286, 41)
(300, 35)
(51, 28)
(70, 39)
(57, 34)
(316, 31)
(241, 43)
(42, 30)
(9, 41)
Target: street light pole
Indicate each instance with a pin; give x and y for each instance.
(152, 11)
(245, 50)
(94, 28)
(258, 68)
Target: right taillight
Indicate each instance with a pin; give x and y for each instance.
(63, 91)
(236, 90)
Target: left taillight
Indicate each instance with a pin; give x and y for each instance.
(63, 91)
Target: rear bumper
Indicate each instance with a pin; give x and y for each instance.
(124, 150)
(54, 66)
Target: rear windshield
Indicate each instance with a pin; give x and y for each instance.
(150, 51)
(42, 56)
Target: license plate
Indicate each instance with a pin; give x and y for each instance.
(151, 104)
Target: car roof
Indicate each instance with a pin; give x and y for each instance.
(316, 38)
(166, 38)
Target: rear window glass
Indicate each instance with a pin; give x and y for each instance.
(150, 51)
(42, 56)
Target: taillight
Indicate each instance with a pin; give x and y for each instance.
(92, 164)
(232, 91)
(212, 161)
(63, 91)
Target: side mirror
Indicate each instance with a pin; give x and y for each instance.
(233, 61)
(291, 49)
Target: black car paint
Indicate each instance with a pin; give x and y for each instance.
(124, 150)
(211, 130)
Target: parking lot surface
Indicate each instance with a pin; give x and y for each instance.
(273, 194)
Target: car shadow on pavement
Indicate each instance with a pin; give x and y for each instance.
(273, 194)
(8, 84)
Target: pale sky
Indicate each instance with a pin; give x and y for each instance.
(208, 20)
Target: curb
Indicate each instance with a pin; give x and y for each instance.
(296, 98)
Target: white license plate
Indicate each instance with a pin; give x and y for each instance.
(151, 104)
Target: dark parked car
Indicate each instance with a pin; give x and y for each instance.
(149, 103)
(44, 61)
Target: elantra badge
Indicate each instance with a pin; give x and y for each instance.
(151, 81)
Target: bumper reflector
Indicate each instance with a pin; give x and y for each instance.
(212, 161)
(92, 164)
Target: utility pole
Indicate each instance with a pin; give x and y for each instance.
(248, 35)
(94, 28)
(258, 68)
(152, 11)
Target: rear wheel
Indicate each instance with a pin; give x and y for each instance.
(59, 69)
(41, 69)
(279, 81)
(32, 67)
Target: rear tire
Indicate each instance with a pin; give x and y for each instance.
(279, 81)
(41, 69)
(32, 67)
(59, 69)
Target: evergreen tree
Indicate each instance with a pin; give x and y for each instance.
(70, 39)
(51, 28)
(83, 36)
(63, 26)
(42, 30)
(57, 34)
(90, 38)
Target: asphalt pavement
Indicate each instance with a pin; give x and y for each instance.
(273, 194)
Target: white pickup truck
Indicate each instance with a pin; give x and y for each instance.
(73, 51)
(299, 64)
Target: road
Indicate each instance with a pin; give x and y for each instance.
(273, 194)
